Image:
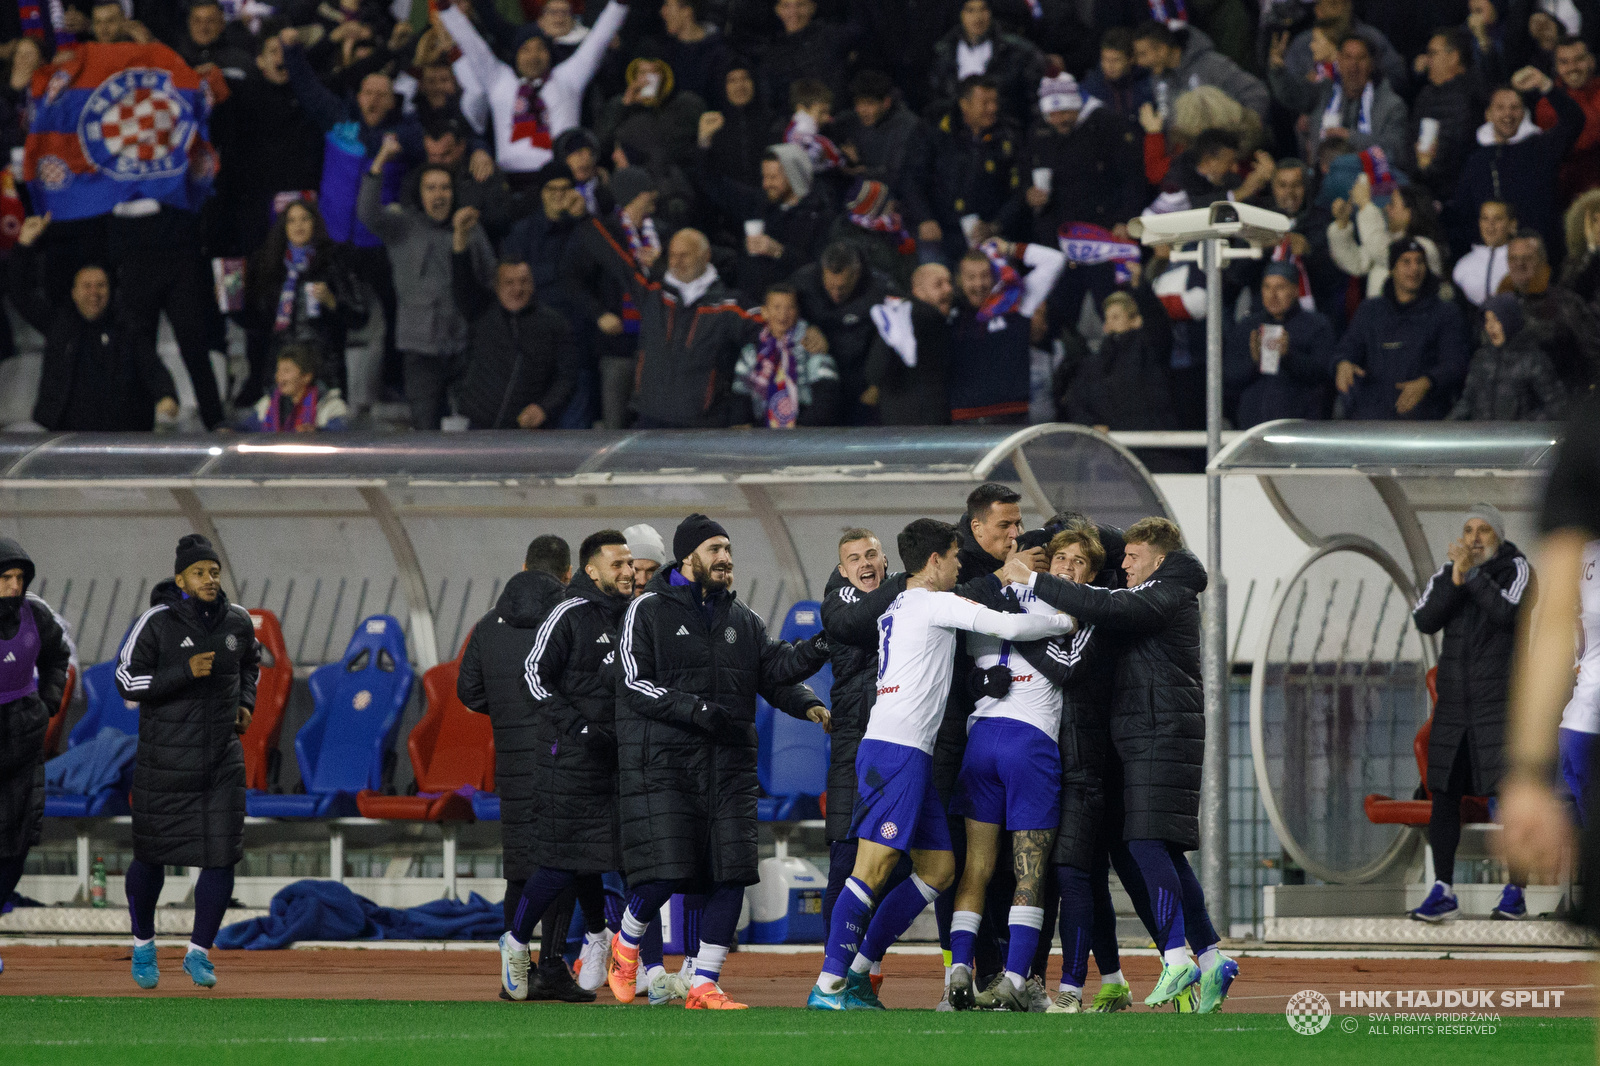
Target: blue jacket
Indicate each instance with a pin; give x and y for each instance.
(1304, 381)
(1396, 342)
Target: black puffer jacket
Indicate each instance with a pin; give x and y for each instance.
(687, 782)
(855, 672)
(23, 720)
(1158, 723)
(571, 675)
(188, 775)
(1511, 382)
(492, 682)
(1479, 619)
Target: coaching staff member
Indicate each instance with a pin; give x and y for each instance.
(191, 663)
(30, 637)
(492, 682)
(693, 661)
(570, 674)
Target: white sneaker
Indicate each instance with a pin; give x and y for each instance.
(1038, 998)
(666, 987)
(1066, 1002)
(594, 960)
(514, 969)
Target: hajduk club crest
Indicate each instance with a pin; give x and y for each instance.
(137, 126)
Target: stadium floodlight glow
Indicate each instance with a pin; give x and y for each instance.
(1222, 220)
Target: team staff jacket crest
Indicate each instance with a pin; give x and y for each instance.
(188, 777)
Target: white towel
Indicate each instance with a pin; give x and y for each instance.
(893, 319)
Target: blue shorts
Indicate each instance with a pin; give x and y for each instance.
(1577, 751)
(896, 803)
(1011, 775)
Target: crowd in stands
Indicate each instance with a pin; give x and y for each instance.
(710, 213)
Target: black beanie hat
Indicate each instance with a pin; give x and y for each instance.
(1409, 244)
(1033, 538)
(194, 548)
(693, 532)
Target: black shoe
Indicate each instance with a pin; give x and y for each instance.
(556, 983)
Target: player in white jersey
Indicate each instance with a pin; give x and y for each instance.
(1011, 779)
(1580, 722)
(898, 808)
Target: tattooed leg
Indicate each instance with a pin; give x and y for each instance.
(1030, 849)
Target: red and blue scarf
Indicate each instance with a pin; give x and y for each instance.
(639, 238)
(295, 261)
(1086, 244)
(869, 209)
(305, 412)
(772, 381)
(1007, 291)
(527, 117)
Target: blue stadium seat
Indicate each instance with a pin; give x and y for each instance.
(346, 744)
(106, 710)
(791, 755)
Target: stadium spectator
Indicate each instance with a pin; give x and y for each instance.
(806, 47)
(1474, 599)
(34, 657)
(1092, 163)
(493, 682)
(1275, 361)
(98, 374)
(521, 362)
(1207, 171)
(1358, 106)
(908, 367)
(1510, 377)
(1177, 63)
(420, 239)
(837, 295)
(1580, 271)
(203, 45)
(653, 118)
(878, 130)
(675, 694)
(1404, 354)
(784, 223)
(572, 682)
(191, 663)
(873, 228)
(298, 290)
(1306, 246)
(1119, 83)
(1338, 21)
(736, 148)
(1364, 231)
(1126, 384)
(696, 52)
(1445, 113)
(998, 320)
(296, 403)
(1478, 274)
(963, 185)
(1575, 67)
(786, 374)
(543, 237)
(1556, 318)
(475, 181)
(977, 45)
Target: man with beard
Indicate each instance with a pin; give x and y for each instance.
(191, 663)
(570, 674)
(493, 682)
(693, 661)
(32, 640)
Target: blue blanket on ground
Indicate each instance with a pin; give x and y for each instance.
(101, 763)
(328, 910)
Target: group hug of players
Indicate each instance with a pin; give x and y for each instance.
(1028, 700)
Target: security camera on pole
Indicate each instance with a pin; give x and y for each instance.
(1212, 229)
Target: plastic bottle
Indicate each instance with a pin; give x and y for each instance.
(97, 883)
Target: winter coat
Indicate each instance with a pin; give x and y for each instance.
(848, 325)
(1559, 321)
(855, 673)
(1124, 96)
(1304, 381)
(571, 677)
(513, 360)
(914, 395)
(1395, 342)
(882, 146)
(800, 227)
(1521, 172)
(269, 143)
(327, 329)
(1158, 723)
(687, 782)
(1511, 382)
(1201, 64)
(952, 173)
(23, 720)
(1387, 117)
(1479, 620)
(1395, 69)
(1457, 106)
(96, 376)
(821, 50)
(420, 254)
(1014, 63)
(188, 775)
(1096, 172)
(687, 353)
(493, 682)
(1125, 385)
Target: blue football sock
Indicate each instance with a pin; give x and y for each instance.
(1024, 924)
(964, 937)
(899, 909)
(538, 893)
(851, 914)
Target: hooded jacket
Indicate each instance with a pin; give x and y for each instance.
(188, 773)
(493, 682)
(1201, 64)
(686, 733)
(1014, 63)
(1395, 342)
(571, 676)
(1157, 722)
(1479, 622)
(1511, 382)
(23, 720)
(1522, 172)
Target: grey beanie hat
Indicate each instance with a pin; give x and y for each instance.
(645, 543)
(1492, 516)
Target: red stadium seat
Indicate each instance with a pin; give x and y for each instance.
(58, 721)
(452, 749)
(272, 697)
(1381, 810)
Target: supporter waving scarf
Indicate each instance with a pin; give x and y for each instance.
(527, 118)
(1007, 291)
(802, 132)
(1086, 244)
(295, 261)
(1379, 174)
(1171, 12)
(304, 412)
(30, 13)
(772, 381)
(639, 238)
(869, 209)
(1333, 116)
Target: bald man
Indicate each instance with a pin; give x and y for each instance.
(908, 363)
(691, 330)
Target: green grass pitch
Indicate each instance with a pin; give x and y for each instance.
(223, 1032)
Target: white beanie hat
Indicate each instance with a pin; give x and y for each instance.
(645, 543)
(1492, 516)
(1059, 93)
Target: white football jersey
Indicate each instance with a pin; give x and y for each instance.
(1033, 698)
(916, 655)
(1583, 709)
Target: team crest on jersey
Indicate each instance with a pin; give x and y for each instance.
(730, 635)
(888, 830)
